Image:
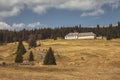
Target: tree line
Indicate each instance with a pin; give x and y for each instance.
(7, 36)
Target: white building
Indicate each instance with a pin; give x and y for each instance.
(72, 36)
(86, 35)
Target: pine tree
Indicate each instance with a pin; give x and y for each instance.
(32, 41)
(19, 57)
(21, 48)
(109, 32)
(50, 58)
(20, 52)
(31, 56)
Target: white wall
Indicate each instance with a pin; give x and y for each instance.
(87, 37)
(70, 37)
(84, 37)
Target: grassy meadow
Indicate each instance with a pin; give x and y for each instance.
(76, 60)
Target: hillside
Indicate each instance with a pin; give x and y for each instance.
(76, 60)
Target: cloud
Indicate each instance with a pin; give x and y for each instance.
(34, 25)
(39, 10)
(20, 26)
(94, 13)
(10, 8)
(83, 5)
(4, 26)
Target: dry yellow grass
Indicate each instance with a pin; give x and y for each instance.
(77, 60)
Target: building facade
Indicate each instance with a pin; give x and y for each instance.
(72, 36)
(85, 35)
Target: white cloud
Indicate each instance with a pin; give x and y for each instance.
(94, 13)
(78, 5)
(10, 8)
(4, 26)
(39, 9)
(20, 26)
(34, 25)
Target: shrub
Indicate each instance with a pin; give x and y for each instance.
(3, 63)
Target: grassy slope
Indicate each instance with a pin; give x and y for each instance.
(78, 60)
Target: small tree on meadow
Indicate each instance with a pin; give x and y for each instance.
(31, 56)
(50, 58)
(19, 57)
(20, 52)
(21, 48)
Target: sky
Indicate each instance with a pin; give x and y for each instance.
(31, 14)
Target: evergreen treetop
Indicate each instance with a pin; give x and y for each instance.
(50, 58)
(32, 41)
(19, 57)
(21, 48)
(31, 56)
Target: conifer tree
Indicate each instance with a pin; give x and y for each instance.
(108, 37)
(21, 48)
(32, 43)
(19, 57)
(20, 52)
(31, 56)
(109, 32)
(50, 58)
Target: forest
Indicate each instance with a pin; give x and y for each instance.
(7, 36)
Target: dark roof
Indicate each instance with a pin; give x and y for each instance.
(81, 34)
(86, 34)
(72, 34)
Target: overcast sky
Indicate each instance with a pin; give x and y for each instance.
(19, 14)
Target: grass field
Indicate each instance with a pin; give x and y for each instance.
(76, 60)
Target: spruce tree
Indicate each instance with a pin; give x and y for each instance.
(109, 32)
(31, 56)
(108, 37)
(20, 52)
(50, 58)
(32, 41)
(19, 57)
(21, 48)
